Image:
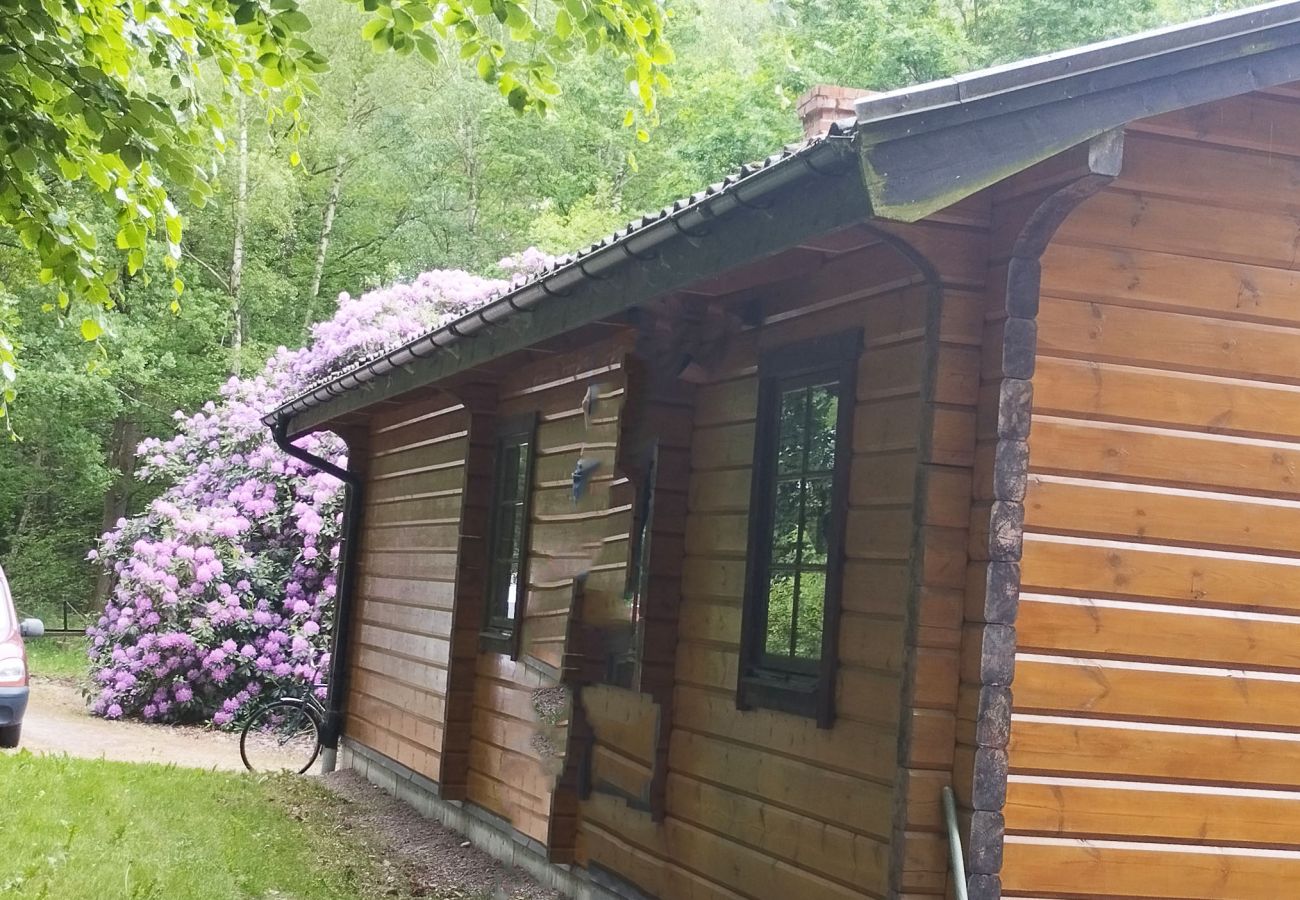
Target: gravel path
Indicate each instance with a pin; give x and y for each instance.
(436, 861)
(57, 722)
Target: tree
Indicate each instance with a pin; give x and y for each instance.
(125, 97)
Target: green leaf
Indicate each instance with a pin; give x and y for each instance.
(294, 20)
(24, 159)
(90, 330)
(131, 156)
(427, 47)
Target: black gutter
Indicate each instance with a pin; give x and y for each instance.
(691, 218)
(352, 500)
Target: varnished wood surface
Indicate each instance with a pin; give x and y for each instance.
(406, 583)
(1154, 745)
(762, 804)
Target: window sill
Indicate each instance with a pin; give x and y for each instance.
(793, 694)
(497, 642)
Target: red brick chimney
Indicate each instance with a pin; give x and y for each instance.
(823, 104)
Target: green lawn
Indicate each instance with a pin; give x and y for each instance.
(95, 830)
(57, 657)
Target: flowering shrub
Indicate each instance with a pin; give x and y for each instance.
(224, 584)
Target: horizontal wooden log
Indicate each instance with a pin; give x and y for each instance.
(1144, 870)
(1119, 810)
(1122, 393)
(1194, 577)
(1157, 692)
(1148, 632)
(1095, 748)
(1118, 334)
(1106, 509)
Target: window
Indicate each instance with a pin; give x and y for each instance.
(507, 576)
(797, 511)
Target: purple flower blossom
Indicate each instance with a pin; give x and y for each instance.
(176, 641)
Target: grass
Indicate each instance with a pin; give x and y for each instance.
(95, 830)
(57, 657)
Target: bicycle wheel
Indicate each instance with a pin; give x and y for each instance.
(281, 736)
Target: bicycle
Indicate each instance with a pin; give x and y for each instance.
(283, 735)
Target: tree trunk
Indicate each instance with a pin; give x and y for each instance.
(326, 228)
(236, 278)
(121, 460)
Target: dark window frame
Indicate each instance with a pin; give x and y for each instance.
(504, 635)
(810, 692)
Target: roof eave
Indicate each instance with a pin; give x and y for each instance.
(635, 266)
(952, 139)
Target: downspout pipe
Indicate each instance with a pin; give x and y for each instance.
(338, 672)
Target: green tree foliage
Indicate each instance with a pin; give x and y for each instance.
(405, 164)
(125, 102)
(885, 44)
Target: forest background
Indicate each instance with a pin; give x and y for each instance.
(408, 165)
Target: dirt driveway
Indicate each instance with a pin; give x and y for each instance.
(57, 722)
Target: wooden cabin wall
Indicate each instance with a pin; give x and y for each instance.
(515, 759)
(396, 701)
(761, 804)
(954, 245)
(1155, 745)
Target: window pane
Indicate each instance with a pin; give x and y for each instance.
(780, 610)
(823, 414)
(507, 526)
(510, 472)
(790, 440)
(512, 589)
(516, 550)
(812, 605)
(500, 606)
(816, 520)
(506, 585)
(519, 477)
(785, 522)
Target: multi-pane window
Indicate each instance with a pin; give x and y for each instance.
(796, 578)
(800, 479)
(507, 577)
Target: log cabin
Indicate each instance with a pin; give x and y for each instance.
(956, 447)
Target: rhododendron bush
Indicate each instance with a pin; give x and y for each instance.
(224, 585)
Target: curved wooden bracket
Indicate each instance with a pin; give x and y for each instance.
(1101, 162)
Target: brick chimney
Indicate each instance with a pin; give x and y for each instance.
(823, 104)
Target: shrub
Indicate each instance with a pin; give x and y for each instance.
(224, 585)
